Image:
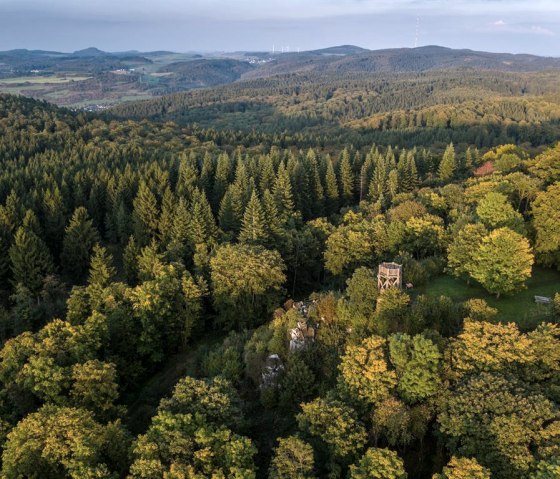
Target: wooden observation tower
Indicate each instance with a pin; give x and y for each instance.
(389, 276)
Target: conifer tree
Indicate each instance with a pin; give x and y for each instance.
(283, 195)
(346, 179)
(188, 176)
(5, 243)
(53, 212)
(203, 225)
(101, 271)
(130, 261)
(79, 239)
(227, 218)
(221, 179)
(448, 164)
(179, 247)
(206, 174)
(166, 217)
(267, 175)
(31, 260)
(253, 230)
(145, 215)
(331, 188)
(317, 192)
(272, 219)
(123, 223)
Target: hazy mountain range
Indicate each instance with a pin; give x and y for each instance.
(94, 77)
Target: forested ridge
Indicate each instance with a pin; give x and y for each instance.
(239, 270)
(482, 108)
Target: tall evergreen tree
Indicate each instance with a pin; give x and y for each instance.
(31, 260)
(448, 164)
(221, 179)
(331, 188)
(346, 179)
(101, 271)
(79, 239)
(253, 230)
(53, 213)
(283, 195)
(145, 215)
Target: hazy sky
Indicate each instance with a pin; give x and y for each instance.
(529, 26)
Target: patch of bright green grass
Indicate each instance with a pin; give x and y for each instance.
(519, 307)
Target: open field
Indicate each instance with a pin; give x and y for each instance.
(50, 79)
(519, 307)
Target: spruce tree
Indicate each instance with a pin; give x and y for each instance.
(5, 243)
(203, 225)
(317, 192)
(272, 219)
(188, 176)
(253, 230)
(331, 188)
(283, 195)
(267, 175)
(178, 247)
(53, 214)
(145, 215)
(101, 271)
(130, 261)
(166, 217)
(79, 239)
(221, 179)
(31, 260)
(448, 164)
(346, 179)
(206, 174)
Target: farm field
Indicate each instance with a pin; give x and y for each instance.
(41, 80)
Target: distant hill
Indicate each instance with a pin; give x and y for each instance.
(207, 72)
(341, 50)
(90, 52)
(350, 59)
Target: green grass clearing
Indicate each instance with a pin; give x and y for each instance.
(519, 307)
(50, 79)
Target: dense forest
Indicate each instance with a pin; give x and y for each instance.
(201, 301)
(465, 106)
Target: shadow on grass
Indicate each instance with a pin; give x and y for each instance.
(519, 307)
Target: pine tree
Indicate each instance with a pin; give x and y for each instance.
(31, 223)
(206, 174)
(267, 175)
(179, 248)
(145, 214)
(393, 183)
(101, 270)
(5, 243)
(221, 179)
(79, 239)
(188, 176)
(53, 212)
(31, 260)
(331, 188)
(130, 261)
(253, 230)
(203, 225)
(283, 195)
(166, 217)
(227, 218)
(272, 219)
(448, 164)
(317, 192)
(346, 179)
(378, 183)
(123, 224)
